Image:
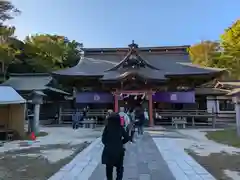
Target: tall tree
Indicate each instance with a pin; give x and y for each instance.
(51, 52)
(7, 11)
(8, 48)
(73, 53)
(8, 51)
(204, 53)
(230, 43)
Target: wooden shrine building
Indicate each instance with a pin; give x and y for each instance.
(39, 89)
(135, 75)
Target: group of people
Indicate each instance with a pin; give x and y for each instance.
(119, 129)
(77, 117)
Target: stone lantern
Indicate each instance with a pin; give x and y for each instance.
(37, 100)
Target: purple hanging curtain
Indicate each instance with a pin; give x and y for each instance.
(175, 97)
(94, 97)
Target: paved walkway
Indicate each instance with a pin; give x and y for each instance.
(183, 166)
(148, 159)
(82, 166)
(142, 162)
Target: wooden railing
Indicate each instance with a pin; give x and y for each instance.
(194, 118)
(66, 114)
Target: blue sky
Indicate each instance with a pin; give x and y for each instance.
(115, 23)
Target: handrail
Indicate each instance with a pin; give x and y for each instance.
(169, 110)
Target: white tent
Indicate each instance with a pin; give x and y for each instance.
(9, 96)
(12, 110)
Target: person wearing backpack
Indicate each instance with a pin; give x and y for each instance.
(124, 118)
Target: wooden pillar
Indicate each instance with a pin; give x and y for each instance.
(237, 109)
(150, 109)
(236, 100)
(60, 114)
(115, 102)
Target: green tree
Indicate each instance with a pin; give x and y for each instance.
(8, 48)
(73, 53)
(50, 52)
(230, 56)
(45, 52)
(204, 53)
(7, 11)
(8, 42)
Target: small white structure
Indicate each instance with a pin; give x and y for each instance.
(9, 96)
(223, 106)
(12, 110)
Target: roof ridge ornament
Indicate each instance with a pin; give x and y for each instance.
(133, 45)
(132, 59)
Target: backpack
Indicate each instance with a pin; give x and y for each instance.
(122, 121)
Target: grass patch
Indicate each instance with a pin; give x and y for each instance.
(216, 163)
(227, 136)
(41, 134)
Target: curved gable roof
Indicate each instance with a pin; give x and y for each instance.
(26, 82)
(157, 64)
(87, 67)
(133, 51)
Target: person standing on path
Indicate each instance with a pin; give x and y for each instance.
(75, 120)
(140, 119)
(125, 120)
(109, 112)
(113, 138)
(131, 126)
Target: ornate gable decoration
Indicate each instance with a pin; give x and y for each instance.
(132, 60)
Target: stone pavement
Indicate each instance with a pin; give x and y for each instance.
(142, 162)
(149, 158)
(82, 166)
(183, 166)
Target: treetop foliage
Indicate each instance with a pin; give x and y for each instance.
(222, 54)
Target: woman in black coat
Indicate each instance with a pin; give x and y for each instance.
(114, 137)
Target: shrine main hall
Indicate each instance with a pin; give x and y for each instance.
(155, 77)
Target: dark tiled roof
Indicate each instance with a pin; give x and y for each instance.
(28, 82)
(88, 67)
(234, 92)
(209, 91)
(31, 82)
(133, 59)
(142, 72)
(233, 87)
(97, 62)
(142, 49)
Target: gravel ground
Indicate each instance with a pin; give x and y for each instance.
(30, 164)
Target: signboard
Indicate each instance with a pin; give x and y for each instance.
(94, 97)
(175, 97)
(168, 97)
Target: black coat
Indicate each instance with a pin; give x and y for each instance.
(139, 115)
(113, 138)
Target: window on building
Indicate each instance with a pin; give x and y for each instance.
(226, 105)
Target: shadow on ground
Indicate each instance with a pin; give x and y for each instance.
(167, 134)
(17, 165)
(216, 163)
